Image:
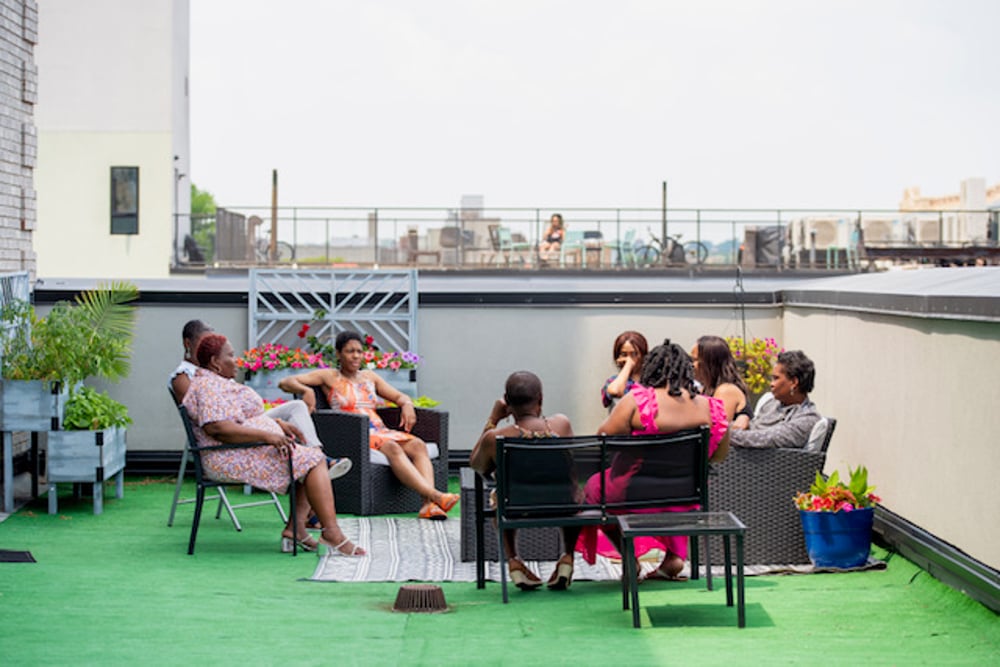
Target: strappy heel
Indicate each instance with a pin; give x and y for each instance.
(334, 549)
(522, 577)
(562, 576)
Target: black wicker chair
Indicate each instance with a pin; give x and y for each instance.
(372, 488)
(758, 486)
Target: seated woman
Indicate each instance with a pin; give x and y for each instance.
(180, 379)
(715, 369)
(667, 401)
(548, 248)
(352, 389)
(225, 411)
(294, 412)
(629, 351)
(788, 420)
(522, 400)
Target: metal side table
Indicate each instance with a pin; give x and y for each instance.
(693, 525)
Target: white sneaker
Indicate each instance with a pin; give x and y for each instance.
(340, 467)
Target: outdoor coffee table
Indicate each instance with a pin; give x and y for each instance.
(692, 524)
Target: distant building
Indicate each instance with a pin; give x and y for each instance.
(113, 137)
(19, 148)
(969, 223)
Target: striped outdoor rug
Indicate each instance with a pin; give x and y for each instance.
(416, 550)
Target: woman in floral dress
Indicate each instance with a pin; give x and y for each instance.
(352, 389)
(224, 411)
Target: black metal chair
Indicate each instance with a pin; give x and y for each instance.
(203, 482)
(540, 481)
(221, 495)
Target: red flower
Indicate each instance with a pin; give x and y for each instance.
(303, 331)
(369, 340)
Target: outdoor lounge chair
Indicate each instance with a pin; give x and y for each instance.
(371, 487)
(758, 486)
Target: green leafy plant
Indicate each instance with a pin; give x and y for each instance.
(832, 495)
(755, 359)
(89, 337)
(89, 409)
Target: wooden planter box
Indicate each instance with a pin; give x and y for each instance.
(86, 457)
(32, 405)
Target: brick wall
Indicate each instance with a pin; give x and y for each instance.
(18, 136)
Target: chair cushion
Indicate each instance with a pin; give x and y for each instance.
(815, 442)
(378, 458)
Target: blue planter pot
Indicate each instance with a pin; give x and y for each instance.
(838, 539)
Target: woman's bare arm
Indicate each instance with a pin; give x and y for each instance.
(303, 383)
(619, 422)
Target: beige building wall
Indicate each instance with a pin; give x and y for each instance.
(913, 404)
(74, 205)
(112, 93)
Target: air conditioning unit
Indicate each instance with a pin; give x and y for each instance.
(829, 232)
(880, 231)
(927, 231)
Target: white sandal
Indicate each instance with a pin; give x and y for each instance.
(334, 549)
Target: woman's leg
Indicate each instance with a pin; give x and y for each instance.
(317, 488)
(408, 473)
(416, 451)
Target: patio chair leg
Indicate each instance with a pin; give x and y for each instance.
(197, 518)
(224, 502)
(177, 488)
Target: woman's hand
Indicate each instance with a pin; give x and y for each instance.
(283, 442)
(500, 411)
(407, 416)
(291, 430)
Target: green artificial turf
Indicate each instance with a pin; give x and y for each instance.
(120, 589)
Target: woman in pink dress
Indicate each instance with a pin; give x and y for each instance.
(666, 401)
(351, 389)
(225, 411)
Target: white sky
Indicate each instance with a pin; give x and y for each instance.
(576, 103)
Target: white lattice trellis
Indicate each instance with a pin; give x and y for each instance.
(380, 303)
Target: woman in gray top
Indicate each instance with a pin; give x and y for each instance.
(788, 420)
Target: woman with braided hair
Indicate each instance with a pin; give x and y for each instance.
(665, 401)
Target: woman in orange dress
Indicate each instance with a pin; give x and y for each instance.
(351, 389)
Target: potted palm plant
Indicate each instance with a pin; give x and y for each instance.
(45, 361)
(837, 519)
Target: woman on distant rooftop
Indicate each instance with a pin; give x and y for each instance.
(548, 248)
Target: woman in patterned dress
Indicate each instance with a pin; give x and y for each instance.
(352, 389)
(225, 411)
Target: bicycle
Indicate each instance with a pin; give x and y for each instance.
(284, 252)
(262, 249)
(675, 252)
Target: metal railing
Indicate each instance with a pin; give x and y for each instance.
(466, 238)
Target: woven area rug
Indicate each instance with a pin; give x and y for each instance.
(415, 550)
